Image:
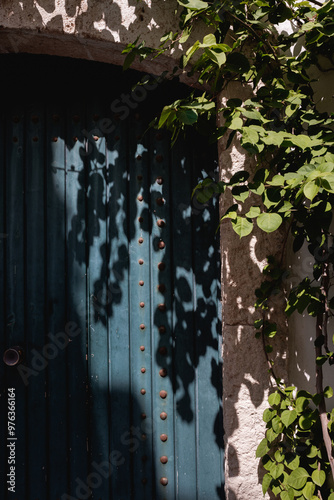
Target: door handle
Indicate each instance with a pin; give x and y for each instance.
(13, 356)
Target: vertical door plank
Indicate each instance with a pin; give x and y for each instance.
(118, 312)
(206, 267)
(162, 327)
(76, 301)
(140, 310)
(56, 298)
(39, 355)
(98, 366)
(3, 340)
(15, 285)
(184, 331)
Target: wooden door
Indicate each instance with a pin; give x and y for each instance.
(110, 287)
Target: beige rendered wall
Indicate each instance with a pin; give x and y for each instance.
(99, 30)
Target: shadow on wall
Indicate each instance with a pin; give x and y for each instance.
(112, 21)
(74, 246)
(245, 362)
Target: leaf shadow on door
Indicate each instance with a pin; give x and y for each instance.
(132, 390)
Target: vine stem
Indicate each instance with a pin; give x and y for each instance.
(319, 372)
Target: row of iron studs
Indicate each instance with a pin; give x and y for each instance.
(162, 328)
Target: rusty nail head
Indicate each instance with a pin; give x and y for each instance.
(96, 137)
(142, 326)
(144, 480)
(75, 139)
(142, 348)
(161, 266)
(163, 351)
(143, 370)
(143, 416)
(161, 245)
(163, 437)
(144, 437)
(140, 262)
(55, 139)
(164, 481)
(140, 197)
(163, 459)
(163, 394)
(162, 329)
(140, 219)
(142, 391)
(161, 223)
(163, 373)
(160, 180)
(162, 307)
(160, 201)
(163, 415)
(142, 304)
(141, 283)
(159, 159)
(161, 288)
(141, 240)
(139, 177)
(139, 157)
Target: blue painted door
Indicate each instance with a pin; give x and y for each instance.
(110, 287)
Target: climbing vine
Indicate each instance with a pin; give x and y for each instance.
(292, 143)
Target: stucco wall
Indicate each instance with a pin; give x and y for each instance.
(246, 378)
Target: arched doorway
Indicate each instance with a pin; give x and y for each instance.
(110, 284)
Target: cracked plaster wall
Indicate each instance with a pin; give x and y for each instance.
(99, 30)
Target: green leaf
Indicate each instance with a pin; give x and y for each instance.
(298, 478)
(271, 435)
(308, 490)
(193, 4)
(217, 56)
(236, 123)
(249, 136)
(287, 494)
(274, 399)
(288, 417)
(301, 404)
(251, 214)
(269, 222)
(187, 116)
(266, 483)
(277, 471)
(277, 425)
(318, 477)
(268, 414)
(262, 448)
(242, 226)
(328, 392)
(209, 40)
(311, 190)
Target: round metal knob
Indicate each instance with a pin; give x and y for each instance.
(13, 356)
